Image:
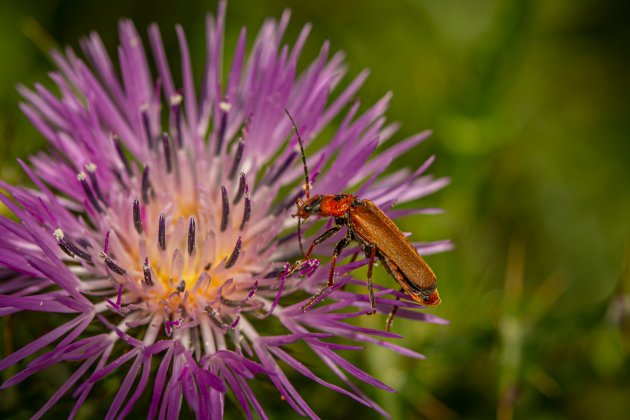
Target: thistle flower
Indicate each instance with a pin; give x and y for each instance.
(162, 218)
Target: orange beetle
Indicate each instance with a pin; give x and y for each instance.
(377, 235)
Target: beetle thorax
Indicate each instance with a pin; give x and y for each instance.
(336, 205)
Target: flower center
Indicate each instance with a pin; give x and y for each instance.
(176, 230)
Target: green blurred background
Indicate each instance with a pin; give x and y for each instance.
(529, 104)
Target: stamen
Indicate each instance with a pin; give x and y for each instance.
(91, 170)
(247, 209)
(308, 267)
(235, 323)
(207, 266)
(121, 155)
(68, 247)
(106, 244)
(170, 325)
(224, 106)
(235, 253)
(242, 302)
(112, 265)
(122, 183)
(218, 321)
(273, 274)
(241, 188)
(191, 235)
(88, 192)
(237, 158)
(283, 167)
(144, 110)
(282, 207)
(58, 234)
(162, 232)
(225, 212)
(146, 185)
(116, 305)
(282, 277)
(253, 290)
(166, 142)
(181, 287)
(136, 216)
(176, 101)
(146, 268)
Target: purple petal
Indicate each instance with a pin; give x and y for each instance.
(40, 343)
(160, 379)
(97, 376)
(299, 367)
(124, 389)
(64, 388)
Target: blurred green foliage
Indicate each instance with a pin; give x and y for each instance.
(529, 104)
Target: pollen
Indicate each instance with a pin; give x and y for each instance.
(58, 234)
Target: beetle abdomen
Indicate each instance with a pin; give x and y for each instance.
(372, 226)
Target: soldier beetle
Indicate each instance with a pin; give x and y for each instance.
(377, 235)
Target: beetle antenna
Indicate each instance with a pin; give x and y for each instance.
(300, 236)
(297, 133)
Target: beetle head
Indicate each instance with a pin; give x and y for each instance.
(309, 207)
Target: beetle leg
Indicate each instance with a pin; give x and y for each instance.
(321, 238)
(371, 249)
(331, 278)
(392, 314)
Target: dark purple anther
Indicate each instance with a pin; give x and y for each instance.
(247, 211)
(118, 177)
(283, 167)
(78, 251)
(69, 248)
(136, 216)
(252, 291)
(237, 158)
(218, 321)
(191, 236)
(146, 185)
(242, 183)
(235, 253)
(162, 232)
(88, 192)
(91, 170)
(282, 207)
(225, 211)
(147, 126)
(122, 156)
(106, 244)
(65, 249)
(224, 106)
(166, 143)
(176, 109)
(112, 265)
(146, 268)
